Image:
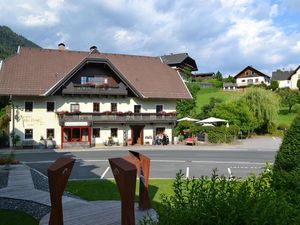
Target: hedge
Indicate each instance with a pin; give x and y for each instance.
(220, 134)
(287, 162)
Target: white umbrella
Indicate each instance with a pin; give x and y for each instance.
(207, 125)
(212, 120)
(188, 119)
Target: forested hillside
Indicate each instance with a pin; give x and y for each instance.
(9, 42)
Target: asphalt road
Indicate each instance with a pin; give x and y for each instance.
(248, 156)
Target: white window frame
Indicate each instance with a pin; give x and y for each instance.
(25, 106)
(140, 108)
(163, 107)
(25, 134)
(53, 109)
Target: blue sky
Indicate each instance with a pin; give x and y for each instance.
(225, 35)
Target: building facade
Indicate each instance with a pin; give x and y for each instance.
(287, 79)
(90, 98)
(251, 76)
(295, 76)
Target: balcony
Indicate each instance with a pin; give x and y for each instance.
(108, 117)
(92, 89)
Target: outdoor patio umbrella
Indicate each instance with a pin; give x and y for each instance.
(207, 125)
(212, 120)
(188, 119)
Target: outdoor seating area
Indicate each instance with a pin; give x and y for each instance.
(188, 138)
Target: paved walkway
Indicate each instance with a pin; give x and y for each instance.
(75, 211)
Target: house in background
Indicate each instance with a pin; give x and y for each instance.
(295, 76)
(251, 76)
(82, 98)
(229, 86)
(179, 62)
(283, 78)
(203, 76)
(287, 79)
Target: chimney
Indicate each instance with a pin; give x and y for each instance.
(93, 49)
(61, 46)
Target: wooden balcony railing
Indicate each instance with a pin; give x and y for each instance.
(118, 117)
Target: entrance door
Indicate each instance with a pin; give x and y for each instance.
(137, 133)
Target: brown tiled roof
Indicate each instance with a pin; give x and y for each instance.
(252, 69)
(35, 71)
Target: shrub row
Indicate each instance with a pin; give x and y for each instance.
(225, 201)
(287, 163)
(8, 159)
(220, 134)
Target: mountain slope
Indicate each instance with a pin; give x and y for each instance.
(9, 42)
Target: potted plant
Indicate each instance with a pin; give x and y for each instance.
(15, 139)
(50, 142)
(42, 143)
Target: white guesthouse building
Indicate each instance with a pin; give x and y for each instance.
(82, 98)
(250, 76)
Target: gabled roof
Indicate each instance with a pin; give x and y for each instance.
(281, 75)
(293, 72)
(39, 71)
(208, 74)
(174, 58)
(251, 68)
(178, 59)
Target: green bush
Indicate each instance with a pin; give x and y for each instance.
(287, 163)
(217, 135)
(4, 139)
(8, 159)
(221, 201)
(283, 126)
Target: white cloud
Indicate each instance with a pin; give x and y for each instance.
(55, 4)
(274, 10)
(45, 18)
(221, 35)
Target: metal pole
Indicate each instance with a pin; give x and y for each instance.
(13, 122)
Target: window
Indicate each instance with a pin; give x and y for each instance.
(243, 80)
(159, 108)
(113, 107)
(114, 132)
(50, 133)
(83, 80)
(250, 81)
(96, 107)
(96, 132)
(256, 80)
(28, 106)
(50, 106)
(137, 109)
(74, 108)
(28, 134)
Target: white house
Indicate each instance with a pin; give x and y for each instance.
(287, 79)
(295, 76)
(251, 76)
(283, 78)
(83, 98)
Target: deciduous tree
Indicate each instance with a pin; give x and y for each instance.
(289, 98)
(264, 105)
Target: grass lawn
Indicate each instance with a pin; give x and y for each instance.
(205, 94)
(8, 217)
(286, 118)
(92, 190)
